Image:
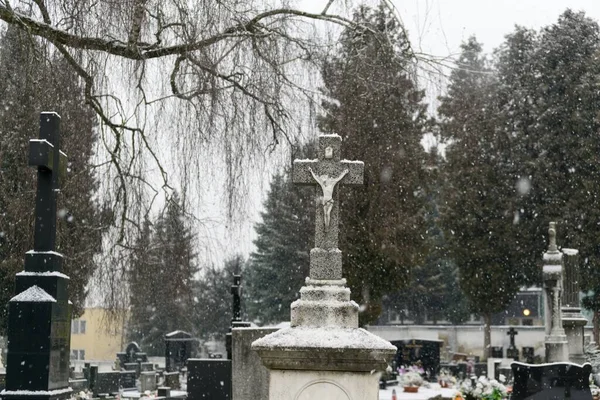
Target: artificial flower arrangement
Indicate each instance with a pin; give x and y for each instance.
(411, 377)
(445, 378)
(482, 388)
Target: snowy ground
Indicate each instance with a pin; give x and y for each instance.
(423, 394)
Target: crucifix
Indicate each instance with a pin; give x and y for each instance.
(327, 173)
(236, 291)
(512, 333)
(51, 163)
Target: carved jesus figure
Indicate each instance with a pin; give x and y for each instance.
(327, 184)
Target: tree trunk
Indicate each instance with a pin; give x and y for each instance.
(487, 335)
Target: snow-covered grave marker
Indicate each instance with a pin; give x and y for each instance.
(323, 354)
(39, 323)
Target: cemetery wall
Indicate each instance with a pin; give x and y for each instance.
(466, 339)
(91, 334)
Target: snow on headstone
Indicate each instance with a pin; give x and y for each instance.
(34, 294)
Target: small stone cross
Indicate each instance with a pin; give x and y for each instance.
(512, 333)
(45, 154)
(236, 291)
(327, 173)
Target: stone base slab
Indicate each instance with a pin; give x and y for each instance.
(337, 314)
(323, 385)
(324, 349)
(557, 349)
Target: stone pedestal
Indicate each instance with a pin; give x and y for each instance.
(324, 354)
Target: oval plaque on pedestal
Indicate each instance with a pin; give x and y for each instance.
(322, 390)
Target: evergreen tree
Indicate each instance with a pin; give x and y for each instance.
(379, 113)
(277, 268)
(35, 80)
(161, 279)
(213, 298)
(549, 105)
(479, 194)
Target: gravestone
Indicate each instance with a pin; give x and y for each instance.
(512, 351)
(323, 354)
(106, 383)
(39, 319)
(557, 347)
(426, 352)
(205, 379)
(497, 352)
(556, 381)
(178, 348)
(171, 379)
(133, 367)
(572, 319)
(480, 369)
(127, 380)
(147, 381)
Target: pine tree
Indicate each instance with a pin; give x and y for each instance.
(478, 208)
(35, 80)
(162, 279)
(277, 268)
(378, 111)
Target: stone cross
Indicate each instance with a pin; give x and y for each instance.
(327, 173)
(512, 333)
(45, 154)
(236, 291)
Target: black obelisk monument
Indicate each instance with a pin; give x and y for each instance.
(39, 323)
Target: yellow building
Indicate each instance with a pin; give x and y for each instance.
(94, 339)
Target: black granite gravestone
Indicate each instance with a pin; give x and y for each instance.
(480, 369)
(39, 321)
(427, 352)
(178, 348)
(135, 367)
(106, 383)
(555, 381)
(127, 380)
(209, 379)
(497, 352)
